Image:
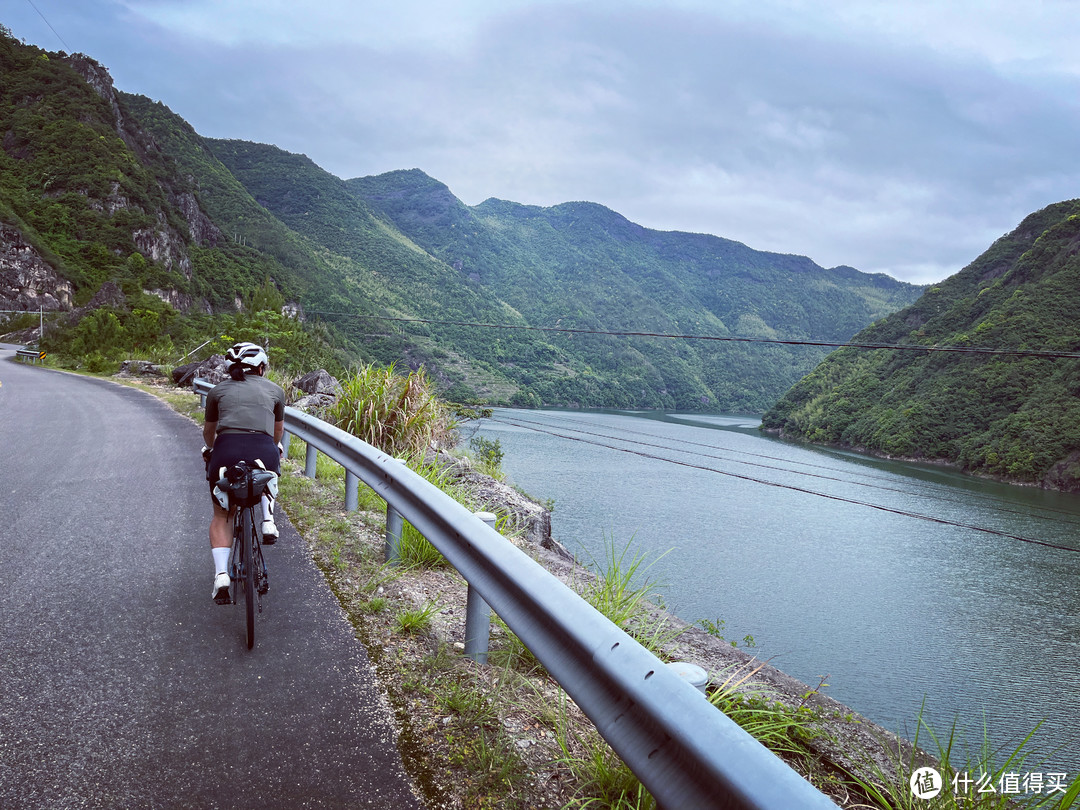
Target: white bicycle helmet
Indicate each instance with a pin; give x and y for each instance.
(249, 355)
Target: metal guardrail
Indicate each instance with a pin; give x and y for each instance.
(687, 753)
(33, 355)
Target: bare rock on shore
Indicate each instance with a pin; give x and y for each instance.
(214, 369)
(525, 516)
(140, 368)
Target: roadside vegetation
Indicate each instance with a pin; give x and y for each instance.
(509, 736)
(398, 413)
(144, 328)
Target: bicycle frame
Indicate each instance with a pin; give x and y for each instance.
(243, 487)
(247, 568)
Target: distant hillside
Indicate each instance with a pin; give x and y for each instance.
(159, 240)
(1014, 417)
(583, 266)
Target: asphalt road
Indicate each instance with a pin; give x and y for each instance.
(122, 685)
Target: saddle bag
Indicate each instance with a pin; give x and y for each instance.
(243, 486)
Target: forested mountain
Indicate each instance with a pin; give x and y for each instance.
(98, 221)
(1017, 417)
(114, 207)
(581, 266)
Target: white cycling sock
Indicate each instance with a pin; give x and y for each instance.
(268, 508)
(221, 559)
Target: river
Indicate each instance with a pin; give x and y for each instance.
(903, 585)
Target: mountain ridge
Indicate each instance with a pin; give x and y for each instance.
(209, 226)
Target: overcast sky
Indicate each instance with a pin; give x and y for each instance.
(895, 137)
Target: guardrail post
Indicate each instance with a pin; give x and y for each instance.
(692, 674)
(478, 615)
(394, 526)
(285, 444)
(352, 499)
(309, 460)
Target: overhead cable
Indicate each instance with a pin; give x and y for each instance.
(723, 339)
(66, 46)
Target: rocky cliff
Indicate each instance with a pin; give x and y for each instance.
(27, 281)
(86, 194)
(162, 242)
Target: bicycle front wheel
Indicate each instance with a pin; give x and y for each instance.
(248, 561)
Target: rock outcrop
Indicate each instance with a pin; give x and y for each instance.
(525, 517)
(213, 369)
(320, 391)
(27, 281)
(140, 368)
(161, 243)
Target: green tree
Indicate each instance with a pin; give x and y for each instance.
(99, 333)
(266, 298)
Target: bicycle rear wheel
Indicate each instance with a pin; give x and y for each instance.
(248, 561)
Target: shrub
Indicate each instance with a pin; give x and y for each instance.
(489, 455)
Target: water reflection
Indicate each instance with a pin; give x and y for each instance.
(900, 582)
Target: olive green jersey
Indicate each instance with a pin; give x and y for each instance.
(252, 405)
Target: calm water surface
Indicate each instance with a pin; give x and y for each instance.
(779, 542)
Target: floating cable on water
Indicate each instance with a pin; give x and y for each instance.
(793, 488)
(1056, 517)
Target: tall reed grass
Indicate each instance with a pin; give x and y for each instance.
(398, 414)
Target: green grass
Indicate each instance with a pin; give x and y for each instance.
(989, 762)
(602, 780)
(462, 697)
(416, 550)
(332, 474)
(624, 594)
(325, 467)
(374, 605)
(511, 651)
(615, 592)
(416, 620)
(756, 709)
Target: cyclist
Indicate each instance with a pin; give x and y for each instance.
(245, 420)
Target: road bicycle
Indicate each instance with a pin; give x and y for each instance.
(242, 486)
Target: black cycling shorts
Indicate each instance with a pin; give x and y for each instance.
(232, 448)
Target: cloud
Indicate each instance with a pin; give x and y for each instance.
(285, 23)
(898, 138)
